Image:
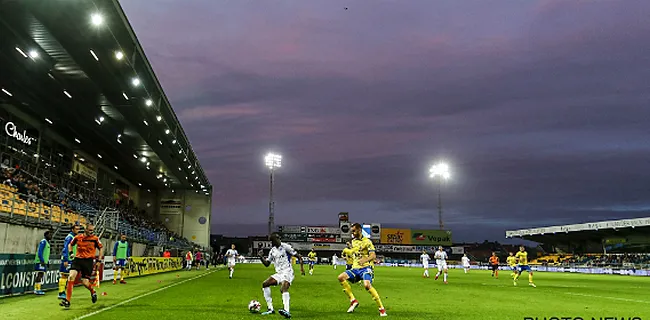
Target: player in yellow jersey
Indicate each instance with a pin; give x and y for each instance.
(362, 269)
(348, 256)
(522, 261)
(312, 261)
(512, 263)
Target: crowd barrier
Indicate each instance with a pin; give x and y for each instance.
(17, 273)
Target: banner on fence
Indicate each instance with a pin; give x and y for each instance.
(17, 274)
(140, 266)
(395, 236)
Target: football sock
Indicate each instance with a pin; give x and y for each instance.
(267, 297)
(496, 273)
(347, 289)
(285, 300)
(375, 296)
(68, 291)
(63, 280)
(530, 278)
(37, 286)
(233, 270)
(445, 277)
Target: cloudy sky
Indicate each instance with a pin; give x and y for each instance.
(541, 108)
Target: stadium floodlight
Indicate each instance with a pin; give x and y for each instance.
(96, 19)
(67, 94)
(158, 118)
(77, 140)
(33, 54)
(143, 159)
(48, 120)
(272, 161)
(7, 92)
(174, 141)
(115, 167)
(145, 122)
(99, 155)
(441, 173)
(148, 102)
(125, 96)
(119, 55)
(135, 81)
(166, 131)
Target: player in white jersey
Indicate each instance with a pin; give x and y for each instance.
(424, 258)
(335, 260)
(441, 263)
(280, 255)
(465, 262)
(231, 256)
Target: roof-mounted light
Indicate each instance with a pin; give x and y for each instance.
(77, 140)
(135, 81)
(119, 55)
(160, 142)
(7, 92)
(143, 159)
(33, 54)
(125, 96)
(67, 94)
(174, 141)
(22, 52)
(100, 156)
(94, 55)
(48, 120)
(148, 102)
(135, 156)
(145, 122)
(158, 118)
(96, 19)
(166, 131)
(115, 167)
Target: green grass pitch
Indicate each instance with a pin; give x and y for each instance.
(405, 294)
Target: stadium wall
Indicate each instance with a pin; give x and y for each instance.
(19, 239)
(196, 218)
(187, 213)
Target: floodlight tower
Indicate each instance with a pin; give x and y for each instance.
(440, 172)
(272, 161)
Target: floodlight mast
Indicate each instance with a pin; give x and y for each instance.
(272, 161)
(440, 172)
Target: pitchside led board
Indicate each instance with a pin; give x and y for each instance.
(416, 237)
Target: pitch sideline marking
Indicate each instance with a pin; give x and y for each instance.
(142, 295)
(605, 297)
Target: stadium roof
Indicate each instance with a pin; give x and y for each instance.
(79, 68)
(586, 231)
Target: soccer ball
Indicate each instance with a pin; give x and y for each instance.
(254, 306)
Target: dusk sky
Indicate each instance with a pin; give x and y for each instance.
(541, 108)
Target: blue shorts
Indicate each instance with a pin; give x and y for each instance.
(311, 263)
(348, 267)
(356, 275)
(121, 263)
(513, 268)
(63, 269)
(40, 267)
(525, 268)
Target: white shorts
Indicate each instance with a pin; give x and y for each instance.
(231, 264)
(466, 266)
(425, 265)
(441, 266)
(282, 277)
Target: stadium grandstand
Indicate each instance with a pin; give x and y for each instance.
(616, 244)
(88, 135)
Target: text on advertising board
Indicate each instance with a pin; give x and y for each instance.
(395, 236)
(12, 131)
(431, 237)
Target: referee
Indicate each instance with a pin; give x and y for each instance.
(87, 245)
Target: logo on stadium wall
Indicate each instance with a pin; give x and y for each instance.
(12, 131)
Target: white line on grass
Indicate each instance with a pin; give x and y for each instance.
(142, 295)
(605, 297)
